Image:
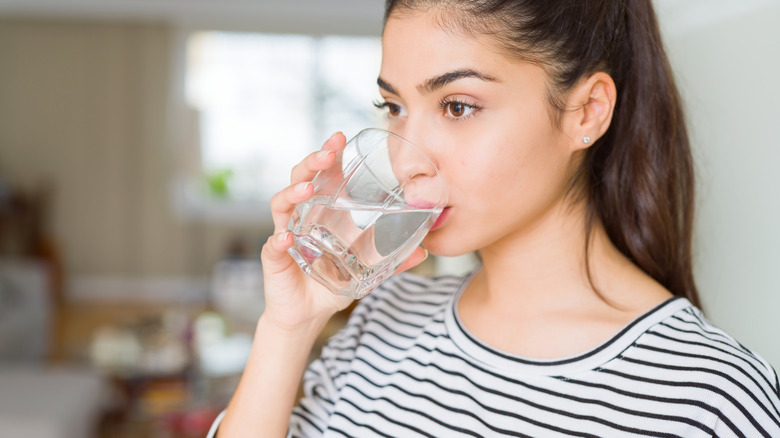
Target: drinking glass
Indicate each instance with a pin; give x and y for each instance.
(369, 212)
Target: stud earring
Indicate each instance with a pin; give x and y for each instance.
(586, 139)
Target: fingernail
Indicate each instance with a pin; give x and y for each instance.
(334, 135)
(283, 237)
(325, 153)
(301, 187)
(426, 254)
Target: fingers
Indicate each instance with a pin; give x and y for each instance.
(274, 254)
(306, 169)
(418, 256)
(283, 203)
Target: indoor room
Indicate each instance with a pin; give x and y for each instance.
(141, 142)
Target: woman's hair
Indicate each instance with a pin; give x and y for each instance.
(638, 177)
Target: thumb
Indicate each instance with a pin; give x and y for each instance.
(274, 255)
(418, 256)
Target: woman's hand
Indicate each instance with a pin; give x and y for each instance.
(296, 309)
(293, 299)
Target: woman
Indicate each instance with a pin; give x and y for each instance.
(558, 129)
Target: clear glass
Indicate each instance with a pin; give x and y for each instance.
(369, 212)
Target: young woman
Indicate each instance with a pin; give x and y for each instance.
(559, 131)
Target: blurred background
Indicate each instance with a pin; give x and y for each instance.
(140, 141)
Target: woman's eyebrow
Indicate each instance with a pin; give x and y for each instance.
(437, 82)
(385, 86)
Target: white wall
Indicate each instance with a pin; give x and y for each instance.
(728, 64)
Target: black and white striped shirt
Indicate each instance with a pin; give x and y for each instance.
(404, 366)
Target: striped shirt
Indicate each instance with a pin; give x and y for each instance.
(405, 366)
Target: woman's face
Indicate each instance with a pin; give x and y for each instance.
(484, 120)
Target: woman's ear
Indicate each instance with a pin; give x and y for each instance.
(589, 109)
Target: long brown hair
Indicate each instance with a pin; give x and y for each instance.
(638, 178)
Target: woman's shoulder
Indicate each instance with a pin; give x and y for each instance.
(686, 341)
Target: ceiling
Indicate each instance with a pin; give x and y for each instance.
(312, 16)
(316, 16)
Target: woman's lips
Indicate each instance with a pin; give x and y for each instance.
(441, 218)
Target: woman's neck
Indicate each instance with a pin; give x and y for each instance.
(537, 282)
(544, 262)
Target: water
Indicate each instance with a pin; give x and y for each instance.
(351, 248)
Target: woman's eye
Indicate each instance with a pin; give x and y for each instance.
(393, 110)
(458, 109)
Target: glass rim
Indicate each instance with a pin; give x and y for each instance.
(445, 189)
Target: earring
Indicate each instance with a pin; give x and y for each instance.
(586, 139)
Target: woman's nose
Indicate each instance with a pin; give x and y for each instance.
(409, 160)
(418, 132)
(417, 174)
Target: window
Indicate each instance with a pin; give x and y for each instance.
(265, 101)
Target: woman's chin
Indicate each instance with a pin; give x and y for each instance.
(441, 243)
